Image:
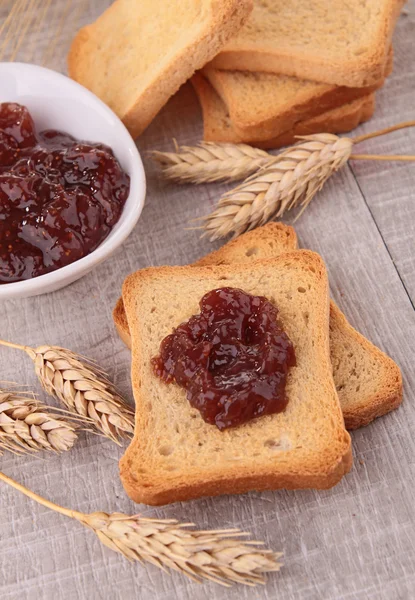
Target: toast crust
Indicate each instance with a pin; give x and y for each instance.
(180, 491)
(218, 126)
(359, 408)
(339, 120)
(311, 464)
(120, 320)
(227, 17)
(351, 74)
(365, 68)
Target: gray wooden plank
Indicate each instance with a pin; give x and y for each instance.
(389, 187)
(355, 541)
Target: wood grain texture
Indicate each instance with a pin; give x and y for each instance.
(356, 541)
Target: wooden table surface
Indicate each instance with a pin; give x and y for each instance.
(356, 541)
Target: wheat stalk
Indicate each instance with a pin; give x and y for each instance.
(29, 426)
(292, 179)
(218, 555)
(209, 162)
(82, 388)
(281, 182)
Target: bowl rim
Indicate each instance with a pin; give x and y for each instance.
(120, 231)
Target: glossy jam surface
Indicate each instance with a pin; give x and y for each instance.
(59, 197)
(232, 358)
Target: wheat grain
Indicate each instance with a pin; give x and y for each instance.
(292, 179)
(82, 388)
(29, 426)
(217, 555)
(220, 555)
(209, 162)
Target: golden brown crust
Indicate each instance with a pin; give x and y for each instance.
(75, 51)
(340, 120)
(121, 323)
(251, 59)
(283, 236)
(159, 495)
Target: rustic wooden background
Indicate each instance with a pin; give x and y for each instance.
(356, 541)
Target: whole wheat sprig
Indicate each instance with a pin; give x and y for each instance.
(218, 555)
(28, 426)
(209, 162)
(291, 179)
(82, 388)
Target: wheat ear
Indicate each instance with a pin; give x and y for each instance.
(219, 555)
(292, 179)
(209, 162)
(28, 426)
(82, 388)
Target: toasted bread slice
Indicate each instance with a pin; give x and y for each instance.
(337, 42)
(137, 54)
(277, 237)
(175, 455)
(263, 106)
(368, 382)
(218, 126)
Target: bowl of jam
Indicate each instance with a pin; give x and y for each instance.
(72, 184)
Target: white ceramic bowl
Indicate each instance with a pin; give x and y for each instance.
(57, 102)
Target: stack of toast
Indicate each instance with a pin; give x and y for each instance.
(341, 380)
(297, 68)
(268, 70)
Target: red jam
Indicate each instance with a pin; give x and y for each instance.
(232, 358)
(59, 197)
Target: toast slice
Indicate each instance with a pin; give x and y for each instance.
(274, 239)
(368, 382)
(137, 54)
(278, 238)
(218, 126)
(262, 106)
(337, 42)
(175, 455)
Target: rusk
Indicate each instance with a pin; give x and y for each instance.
(218, 126)
(368, 382)
(137, 54)
(175, 455)
(337, 42)
(263, 106)
(277, 237)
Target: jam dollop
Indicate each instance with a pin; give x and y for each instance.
(59, 197)
(232, 358)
